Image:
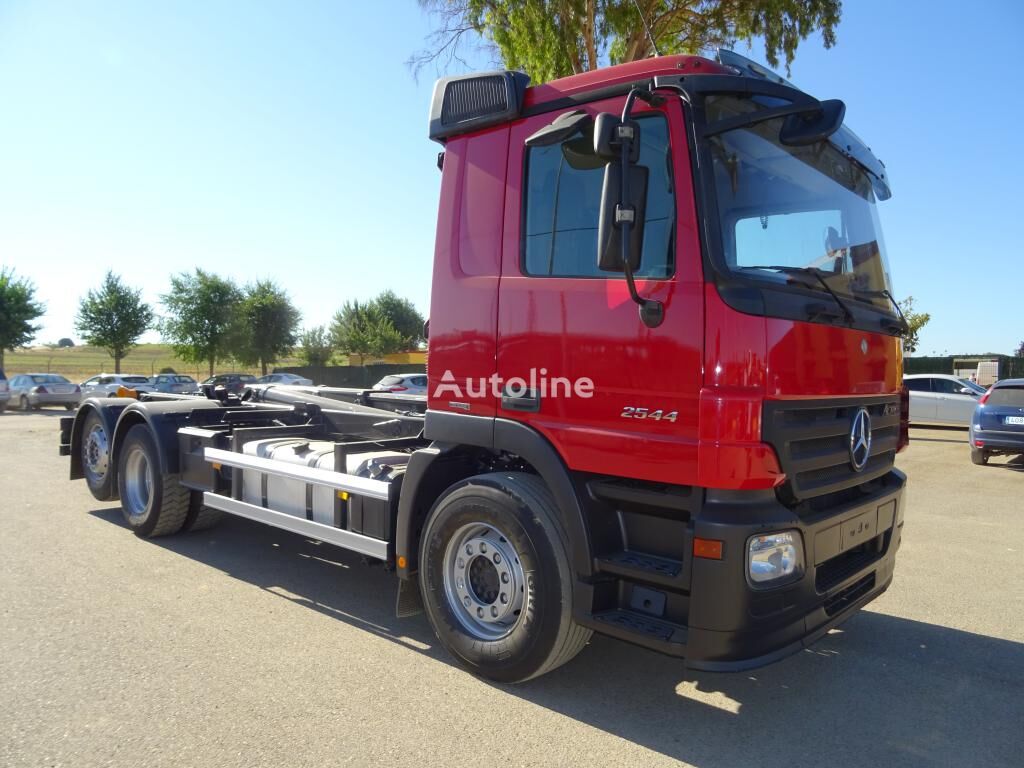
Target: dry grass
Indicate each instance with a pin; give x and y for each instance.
(79, 363)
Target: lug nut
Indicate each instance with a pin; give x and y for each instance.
(497, 558)
(504, 599)
(504, 578)
(480, 612)
(483, 547)
(494, 612)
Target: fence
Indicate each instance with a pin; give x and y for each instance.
(1009, 367)
(351, 375)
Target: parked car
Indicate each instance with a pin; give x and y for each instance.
(939, 398)
(406, 383)
(998, 422)
(35, 390)
(5, 392)
(234, 383)
(285, 378)
(174, 383)
(107, 384)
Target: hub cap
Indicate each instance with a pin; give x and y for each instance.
(138, 483)
(95, 455)
(484, 581)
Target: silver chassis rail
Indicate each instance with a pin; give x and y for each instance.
(360, 486)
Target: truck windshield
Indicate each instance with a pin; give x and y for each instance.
(784, 208)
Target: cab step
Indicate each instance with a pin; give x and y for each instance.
(657, 634)
(640, 566)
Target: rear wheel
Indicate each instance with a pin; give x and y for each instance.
(153, 503)
(979, 456)
(96, 467)
(23, 403)
(496, 580)
(201, 517)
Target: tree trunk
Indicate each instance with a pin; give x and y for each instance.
(211, 366)
(1, 358)
(117, 362)
(263, 367)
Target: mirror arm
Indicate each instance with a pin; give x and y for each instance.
(652, 312)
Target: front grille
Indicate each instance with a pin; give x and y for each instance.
(850, 595)
(843, 566)
(812, 440)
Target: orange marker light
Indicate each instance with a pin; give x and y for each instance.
(711, 549)
(401, 561)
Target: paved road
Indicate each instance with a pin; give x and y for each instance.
(245, 646)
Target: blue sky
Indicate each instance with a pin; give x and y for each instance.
(288, 141)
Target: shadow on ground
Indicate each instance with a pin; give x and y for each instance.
(882, 690)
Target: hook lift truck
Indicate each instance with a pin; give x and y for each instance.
(696, 238)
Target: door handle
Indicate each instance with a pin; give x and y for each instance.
(526, 400)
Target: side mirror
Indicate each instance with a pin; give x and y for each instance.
(607, 145)
(614, 210)
(968, 391)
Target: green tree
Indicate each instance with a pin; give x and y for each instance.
(201, 316)
(266, 325)
(554, 38)
(113, 317)
(317, 347)
(1020, 350)
(916, 321)
(65, 343)
(403, 316)
(361, 329)
(18, 308)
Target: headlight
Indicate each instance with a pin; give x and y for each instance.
(774, 556)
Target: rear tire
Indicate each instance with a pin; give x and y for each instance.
(496, 580)
(979, 456)
(96, 464)
(153, 503)
(23, 404)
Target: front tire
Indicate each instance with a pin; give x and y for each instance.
(153, 503)
(496, 580)
(979, 456)
(23, 404)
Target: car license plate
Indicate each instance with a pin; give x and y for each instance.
(1014, 420)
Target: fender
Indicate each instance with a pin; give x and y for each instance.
(108, 409)
(451, 430)
(163, 419)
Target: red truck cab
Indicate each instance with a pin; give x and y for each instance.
(724, 468)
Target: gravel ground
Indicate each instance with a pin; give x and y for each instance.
(245, 646)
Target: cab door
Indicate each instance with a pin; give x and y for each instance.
(574, 358)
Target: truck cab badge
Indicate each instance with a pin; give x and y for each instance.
(860, 439)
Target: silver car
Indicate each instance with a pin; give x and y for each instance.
(284, 378)
(5, 392)
(36, 390)
(941, 398)
(403, 383)
(107, 384)
(174, 383)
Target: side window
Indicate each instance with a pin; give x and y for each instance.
(917, 385)
(562, 208)
(945, 387)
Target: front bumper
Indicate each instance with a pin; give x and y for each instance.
(849, 554)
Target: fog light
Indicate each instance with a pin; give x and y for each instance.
(774, 556)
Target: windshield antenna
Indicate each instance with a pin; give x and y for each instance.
(650, 37)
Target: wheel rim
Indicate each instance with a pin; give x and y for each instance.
(484, 581)
(95, 453)
(138, 483)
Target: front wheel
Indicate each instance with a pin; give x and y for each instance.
(153, 503)
(496, 580)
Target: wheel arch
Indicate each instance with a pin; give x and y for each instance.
(447, 461)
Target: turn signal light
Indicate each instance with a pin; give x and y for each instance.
(710, 549)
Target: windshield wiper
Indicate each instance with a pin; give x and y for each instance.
(903, 326)
(819, 276)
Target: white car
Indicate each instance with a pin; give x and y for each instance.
(284, 378)
(106, 384)
(940, 398)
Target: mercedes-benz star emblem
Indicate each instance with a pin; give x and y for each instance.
(860, 439)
